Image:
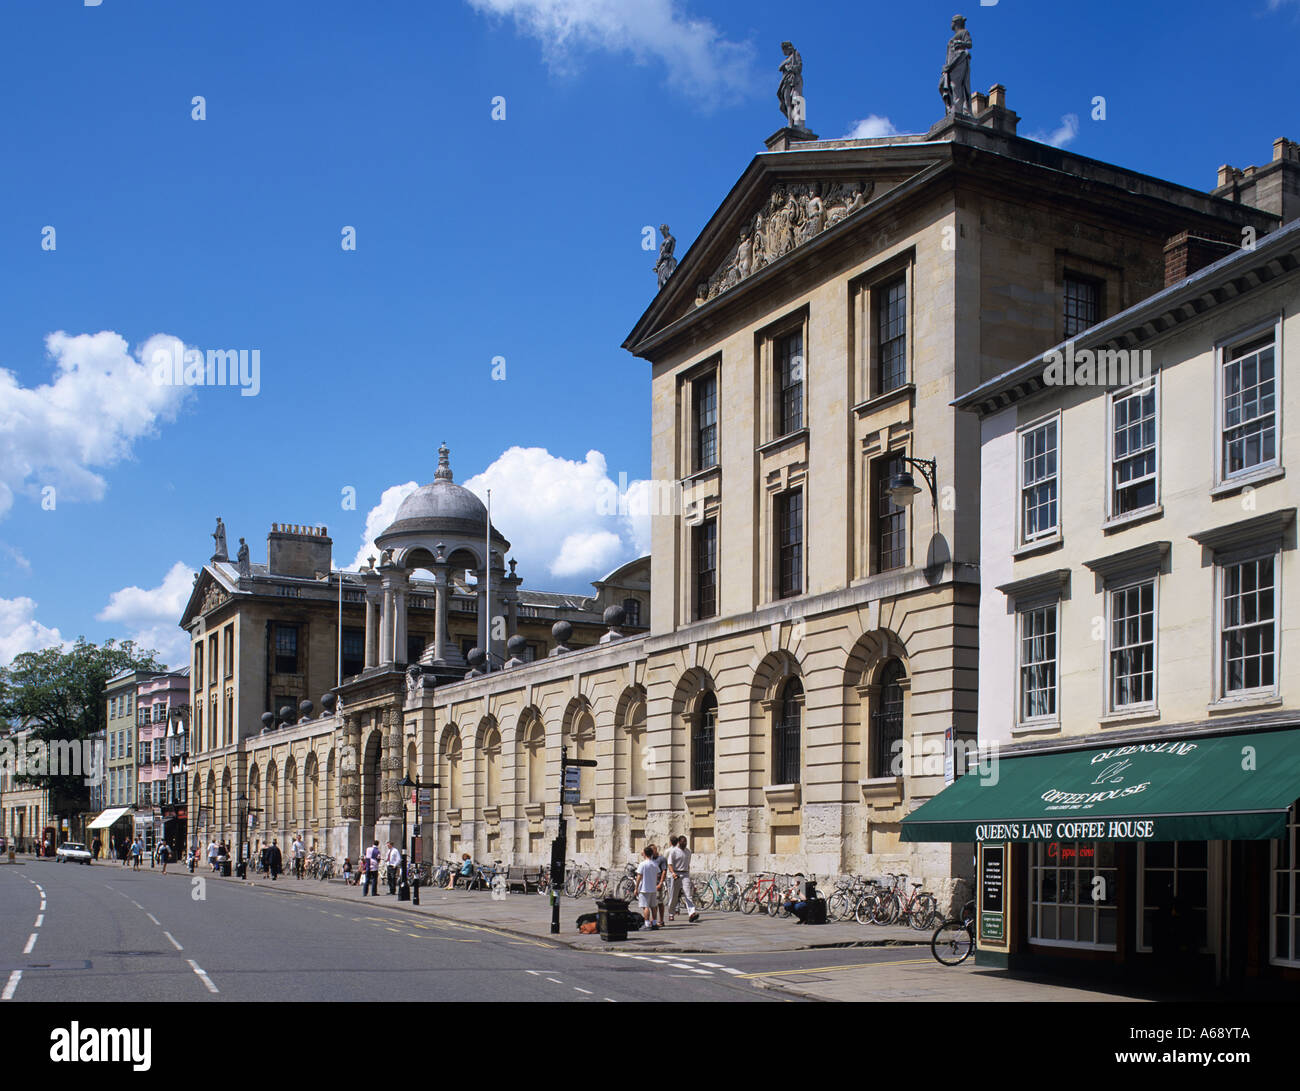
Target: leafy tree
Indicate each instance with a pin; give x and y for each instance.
(60, 695)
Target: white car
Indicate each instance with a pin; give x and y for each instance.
(74, 852)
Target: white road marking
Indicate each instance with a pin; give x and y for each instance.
(535, 973)
(729, 970)
(31, 942)
(712, 965)
(587, 991)
(173, 939)
(609, 1001)
(40, 919)
(14, 978)
(42, 905)
(202, 976)
(154, 919)
(555, 981)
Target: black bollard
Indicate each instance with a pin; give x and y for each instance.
(415, 891)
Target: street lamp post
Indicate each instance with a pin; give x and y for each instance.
(404, 886)
(240, 864)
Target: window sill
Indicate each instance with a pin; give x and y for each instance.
(700, 800)
(1234, 485)
(877, 788)
(799, 435)
(782, 796)
(1135, 716)
(1243, 704)
(1037, 727)
(703, 475)
(1039, 545)
(1132, 518)
(880, 401)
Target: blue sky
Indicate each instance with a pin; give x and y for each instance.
(475, 239)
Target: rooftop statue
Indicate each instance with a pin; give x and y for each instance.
(219, 537)
(245, 566)
(790, 91)
(954, 80)
(667, 263)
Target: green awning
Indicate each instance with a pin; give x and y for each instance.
(1220, 788)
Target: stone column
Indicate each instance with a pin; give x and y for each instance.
(372, 632)
(386, 629)
(399, 622)
(440, 614)
(348, 837)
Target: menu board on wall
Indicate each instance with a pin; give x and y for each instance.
(992, 908)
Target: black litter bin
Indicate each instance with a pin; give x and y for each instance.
(225, 868)
(611, 918)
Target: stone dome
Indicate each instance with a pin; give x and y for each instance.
(440, 508)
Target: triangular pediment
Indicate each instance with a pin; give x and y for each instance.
(782, 203)
(209, 592)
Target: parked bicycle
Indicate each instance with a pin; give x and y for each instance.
(954, 940)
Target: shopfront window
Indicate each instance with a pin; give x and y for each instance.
(1072, 894)
(1284, 946)
(1175, 891)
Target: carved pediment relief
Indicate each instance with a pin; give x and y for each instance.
(213, 597)
(793, 214)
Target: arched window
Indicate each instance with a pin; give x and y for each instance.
(635, 744)
(492, 763)
(786, 733)
(535, 745)
(704, 725)
(887, 719)
(584, 749)
(455, 790)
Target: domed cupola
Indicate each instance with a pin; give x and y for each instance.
(440, 509)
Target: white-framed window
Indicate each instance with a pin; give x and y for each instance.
(1134, 449)
(1284, 898)
(1037, 667)
(1039, 481)
(1248, 405)
(1248, 626)
(1073, 895)
(1174, 892)
(1131, 646)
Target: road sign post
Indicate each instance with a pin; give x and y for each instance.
(570, 792)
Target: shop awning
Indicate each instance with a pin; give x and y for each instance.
(107, 818)
(1227, 787)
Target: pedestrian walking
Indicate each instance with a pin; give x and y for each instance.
(212, 855)
(299, 853)
(394, 866)
(679, 874)
(372, 871)
(662, 865)
(648, 878)
(164, 854)
(137, 850)
(274, 861)
(95, 846)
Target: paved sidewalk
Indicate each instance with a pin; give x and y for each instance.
(529, 915)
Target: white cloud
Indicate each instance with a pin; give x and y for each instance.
(21, 632)
(699, 60)
(152, 615)
(16, 555)
(564, 518)
(1061, 135)
(101, 400)
(871, 126)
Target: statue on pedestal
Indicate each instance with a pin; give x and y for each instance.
(241, 559)
(219, 537)
(667, 263)
(954, 80)
(790, 91)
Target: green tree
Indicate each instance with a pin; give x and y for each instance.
(59, 694)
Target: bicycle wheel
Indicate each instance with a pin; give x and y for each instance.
(925, 911)
(749, 899)
(626, 889)
(865, 911)
(776, 904)
(952, 942)
(572, 885)
(703, 896)
(836, 906)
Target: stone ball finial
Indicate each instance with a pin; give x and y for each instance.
(305, 708)
(614, 616)
(286, 714)
(477, 657)
(561, 631)
(327, 703)
(516, 646)
(268, 721)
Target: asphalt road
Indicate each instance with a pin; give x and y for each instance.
(104, 933)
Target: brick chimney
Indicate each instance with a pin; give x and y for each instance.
(1186, 254)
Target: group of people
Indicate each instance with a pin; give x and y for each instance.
(673, 871)
(367, 871)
